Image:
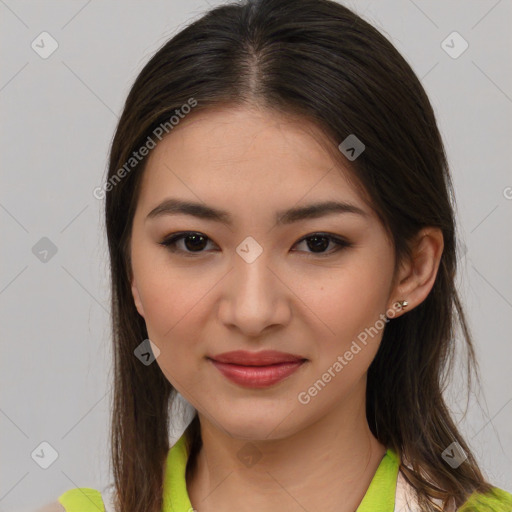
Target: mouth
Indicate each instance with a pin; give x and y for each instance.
(257, 369)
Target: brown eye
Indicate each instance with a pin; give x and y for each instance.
(319, 242)
(193, 242)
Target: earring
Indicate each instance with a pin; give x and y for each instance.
(402, 303)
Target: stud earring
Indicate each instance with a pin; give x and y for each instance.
(402, 303)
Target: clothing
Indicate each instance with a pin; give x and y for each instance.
(387, 492)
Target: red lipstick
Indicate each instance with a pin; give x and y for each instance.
(256, 369)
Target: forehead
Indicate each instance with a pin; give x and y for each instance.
(245, 155)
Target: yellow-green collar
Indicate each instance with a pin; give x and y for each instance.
(379, 496)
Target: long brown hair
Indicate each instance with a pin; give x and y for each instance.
(319, 60)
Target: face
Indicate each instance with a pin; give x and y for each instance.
(256, 279)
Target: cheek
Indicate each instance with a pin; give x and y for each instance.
(173, 299)
(172, 305)
(171, 295)
(350, 305)
(352, 299)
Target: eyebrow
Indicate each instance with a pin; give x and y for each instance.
(173, 206)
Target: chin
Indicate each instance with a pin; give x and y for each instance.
(256, 424)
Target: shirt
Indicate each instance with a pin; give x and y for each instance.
(387, 492)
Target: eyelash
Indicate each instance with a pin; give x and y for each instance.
(170, 243)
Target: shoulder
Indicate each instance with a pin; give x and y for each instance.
(81, 499)
(497, 500)
(52, 507)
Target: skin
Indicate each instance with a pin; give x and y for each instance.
(254, 163)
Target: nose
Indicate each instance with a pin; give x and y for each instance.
(254, 298)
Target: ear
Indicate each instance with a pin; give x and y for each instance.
(136, 298)
(416, 276)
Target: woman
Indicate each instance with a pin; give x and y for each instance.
(280, 224)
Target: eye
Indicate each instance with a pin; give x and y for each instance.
(318, 242)
(195, 242)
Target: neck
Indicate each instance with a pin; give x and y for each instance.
(331, 461)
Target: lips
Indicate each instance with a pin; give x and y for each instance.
(263, 358)
(257, 369)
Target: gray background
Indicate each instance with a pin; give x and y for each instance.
(58, 118)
